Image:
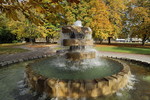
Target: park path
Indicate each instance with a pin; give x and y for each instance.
(34, 52)
(137, 57)
(38, 52)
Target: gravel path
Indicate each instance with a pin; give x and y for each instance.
(137, 57)
(48, 50)
(24, 56)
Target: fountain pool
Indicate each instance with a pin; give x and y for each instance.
(12, 85)
(49, 68)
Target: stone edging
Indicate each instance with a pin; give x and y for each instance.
(131, 60)
(5, 63)
(78, 88)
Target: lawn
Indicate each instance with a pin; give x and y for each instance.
(9, 48)
(134, 50)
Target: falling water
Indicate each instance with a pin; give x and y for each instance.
(80, 48)
(78, 23)
(57, 89)
(43, 97)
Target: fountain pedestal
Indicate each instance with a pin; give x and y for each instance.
(78, 39)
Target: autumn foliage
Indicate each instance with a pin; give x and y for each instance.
(107, 18)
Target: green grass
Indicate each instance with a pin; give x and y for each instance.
(125, 50)
(9, 48)
(57, 48)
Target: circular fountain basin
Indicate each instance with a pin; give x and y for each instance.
(52, 77)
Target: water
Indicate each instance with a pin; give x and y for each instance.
(11, 82)
(11, 79)
(53, 68)
(78, 23)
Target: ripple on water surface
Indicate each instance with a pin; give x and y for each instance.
(50, 67)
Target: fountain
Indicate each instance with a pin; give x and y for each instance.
(78, 72)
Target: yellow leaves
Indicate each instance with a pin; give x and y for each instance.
(27, 29)
(40, 9)
(92, 10)
(7, 1)
(140, 14)
(59, 8)
(10, 11)
(140, 11)
(140, 18)
(47, 1)
(13, 1)
(104, 35)
(42, 30)
(17, 28)
(12, 14)
(99, 22)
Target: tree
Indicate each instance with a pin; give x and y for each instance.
(107, 18)
(137, 21)
(101, 24)
(93, 14)
(27, 30)
(52, 31)
(31, 8)
(116, 10)
(141, 20)
(5, 33)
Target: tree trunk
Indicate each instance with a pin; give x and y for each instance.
(143, 42)
(144, 39)
(47, 39)
(109, 40)
(32, 40)
(101, 40)
(23, 40)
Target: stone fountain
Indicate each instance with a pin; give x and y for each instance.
(61, 82)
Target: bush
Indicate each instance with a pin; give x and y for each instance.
(6, 36)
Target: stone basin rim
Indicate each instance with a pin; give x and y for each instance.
(93, 88)
(125, 70)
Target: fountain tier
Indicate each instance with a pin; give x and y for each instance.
(78, 39)
(78, 56)
(77, 42)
